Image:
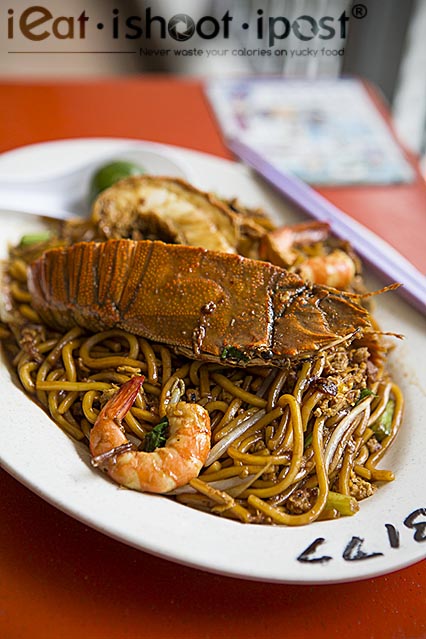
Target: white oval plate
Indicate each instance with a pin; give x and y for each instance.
(388, 533)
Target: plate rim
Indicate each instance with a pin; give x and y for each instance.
(175, 557)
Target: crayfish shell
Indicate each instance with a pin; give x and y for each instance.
(206, 304)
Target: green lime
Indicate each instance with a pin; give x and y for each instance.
(111, 173)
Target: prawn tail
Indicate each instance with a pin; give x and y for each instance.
(119, 405)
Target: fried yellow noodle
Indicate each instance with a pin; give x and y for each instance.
(290, 445)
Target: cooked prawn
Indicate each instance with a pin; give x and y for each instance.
(278, 246)
(164, 469)
(336, 269)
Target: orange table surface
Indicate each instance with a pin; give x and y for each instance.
(59, 578)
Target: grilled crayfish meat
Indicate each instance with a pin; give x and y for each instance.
(206, 304)
(169, 209)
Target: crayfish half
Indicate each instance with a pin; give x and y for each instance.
(207, 304)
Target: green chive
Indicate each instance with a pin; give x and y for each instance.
(383, 425)
(157, 437)
(35, 238)
(345, 504)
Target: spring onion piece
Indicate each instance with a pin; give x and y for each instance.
(35, 238)
(234, 354)
(157, 437)
(308, 439)
(344, 504)
(383, 424)
(366, 392)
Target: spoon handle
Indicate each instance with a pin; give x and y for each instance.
(56, 214)
(17, 198)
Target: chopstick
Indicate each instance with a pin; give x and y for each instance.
(390, 265)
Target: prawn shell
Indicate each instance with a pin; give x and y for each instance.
(201, 302)
(163, 469)
(174, 465)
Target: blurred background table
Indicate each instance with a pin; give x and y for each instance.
(59, 578)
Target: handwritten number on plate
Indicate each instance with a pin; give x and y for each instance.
(354, 548)
(354, 551)
(306, 556)
(393, 535)
(419, 526)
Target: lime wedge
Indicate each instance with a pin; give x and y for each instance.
(111, 173)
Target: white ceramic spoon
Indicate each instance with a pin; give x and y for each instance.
(66, 195)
